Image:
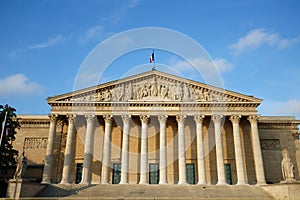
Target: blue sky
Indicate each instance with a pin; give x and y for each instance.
(255, 45)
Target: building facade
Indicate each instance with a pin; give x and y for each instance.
(157, 128)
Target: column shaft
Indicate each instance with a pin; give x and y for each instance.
(144, 150)
(106, 149)
(50, 147)
(88, 150)
(240, 170)
(68, 160)
(162, 150)
(200, 149)
(181, 149)
(219, 150)
(258, 162)
(125, 150)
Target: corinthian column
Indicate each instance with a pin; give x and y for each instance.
(162, 150)
(145, 119)
(66, 174)
(50, 147)
(239, 161)
(200, 149)
(106, 149)
(219, 149)
(125, 150)
(88, 150)
(181, 149)
(258, 162)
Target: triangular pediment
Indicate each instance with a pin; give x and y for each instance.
(154, 86)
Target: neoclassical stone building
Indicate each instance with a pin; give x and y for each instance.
(157, 128)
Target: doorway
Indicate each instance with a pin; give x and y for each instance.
(116, 173)
(154, 173)
(190, 173)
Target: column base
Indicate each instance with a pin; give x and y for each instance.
(142, 183)
(222, 183)
(241, 183)
(123, 183)
(261, 183)
(46, 182)
(163, 183)
(65, 183)
(202, 183)
(182, 183)
(85, 183)
(104, 183)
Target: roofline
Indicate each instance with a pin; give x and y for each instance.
(153, 71)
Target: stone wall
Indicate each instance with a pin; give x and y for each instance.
(274, 138)
(33, 137)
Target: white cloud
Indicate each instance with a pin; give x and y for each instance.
(202, 64)
(18, 85)
(58, 39)
(132, 4)
(292, 107)
(118, 14)
(50, 42)
(259, 37)
(280, 108)
(92, 33)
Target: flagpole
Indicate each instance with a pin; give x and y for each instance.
(154, 60)
(3, 127)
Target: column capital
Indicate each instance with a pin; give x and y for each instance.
(235, 118)
(71, 117)
(180, 118)
(199, 118)
(162, 118)
(217, 118)
(53, 117)
(253, 118)
(145, 119)
(126, 118)
(108, 118)
(90, 117)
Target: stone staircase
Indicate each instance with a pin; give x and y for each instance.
(75, 191)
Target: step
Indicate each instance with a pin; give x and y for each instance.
(74, 191)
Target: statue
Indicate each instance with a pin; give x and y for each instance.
(21, 166)
(287, 167)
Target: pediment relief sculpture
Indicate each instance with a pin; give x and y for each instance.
(154, 87)
(157, 91)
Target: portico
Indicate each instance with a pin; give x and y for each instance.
(190, 130)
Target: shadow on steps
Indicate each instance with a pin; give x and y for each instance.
(62, 190)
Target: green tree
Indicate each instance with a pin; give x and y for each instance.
(7, 153)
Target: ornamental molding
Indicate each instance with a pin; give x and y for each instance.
(279, 125)
(154, 87)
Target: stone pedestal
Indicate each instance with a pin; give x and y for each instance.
(290, 181)
(15, 187)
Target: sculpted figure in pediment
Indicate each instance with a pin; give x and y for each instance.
(164, 91)
(186, 93)
(192, 94)
(153, 90)
(118, 93)
(178, 94)
(106, 95)
(128, 92)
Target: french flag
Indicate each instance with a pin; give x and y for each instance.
(152, 57)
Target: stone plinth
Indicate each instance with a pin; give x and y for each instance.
(19, 188)
(283, 191)
(15, 187)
